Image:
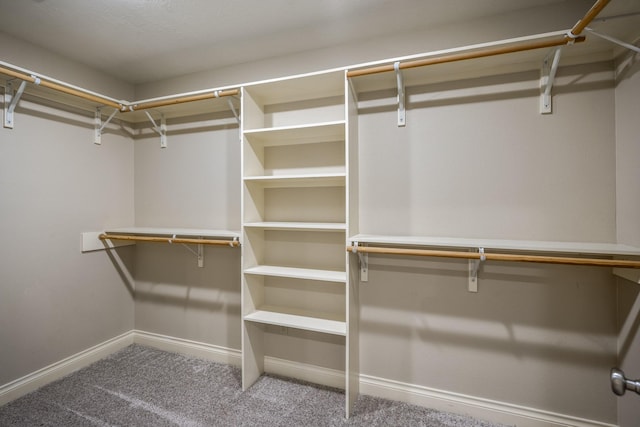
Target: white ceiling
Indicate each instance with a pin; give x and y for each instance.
(144, 40)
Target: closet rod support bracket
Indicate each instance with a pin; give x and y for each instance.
(474, 266)
(231, 106)
(614, 40)
(402, 116)
(99, 125)
(160, 130)
(363, 259)
(11, 99)
(547, 79)
(199, 252)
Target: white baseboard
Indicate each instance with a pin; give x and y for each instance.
(44, 376)
(302, 371)
(211, 352)
(485, 409)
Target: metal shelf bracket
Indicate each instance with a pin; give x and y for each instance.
(474, 266)
(402, 118)
(231, 106)
(199, 253)
(99, 125)
(547, 78)
(364, 262)
(614, 40)
(160, 130)
(11, 101)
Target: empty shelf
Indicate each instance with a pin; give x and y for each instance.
(298, 273)
(302, 134)
(310, 180)
(277, 317)
(304, 226)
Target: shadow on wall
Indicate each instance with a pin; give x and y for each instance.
(193, 124)
(525, 84)
(122, 259)
(64, 114)
(628, 322)
(555, 312)
(169, 275)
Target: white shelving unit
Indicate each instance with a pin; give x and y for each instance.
(296, 161)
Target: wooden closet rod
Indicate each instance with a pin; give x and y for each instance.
(181, 100)
(498, 257)
(481, 53)
(60, 88)
(168, 240)
(124, 106)
(588, 17)
(571, 37)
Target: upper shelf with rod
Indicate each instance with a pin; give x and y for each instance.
(503, 56)
(179, 105)
(549, 252)
(98, 240)
(511, 55)
(112, 238)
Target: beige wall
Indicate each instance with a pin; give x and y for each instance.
(470, 164)
(193, 183)
(473, 162)
(54, 185)
(628, 213)
(41, 61)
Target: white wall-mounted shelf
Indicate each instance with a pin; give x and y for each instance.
(182, 232)
(586, 248)
(605, 251)
(91, 240)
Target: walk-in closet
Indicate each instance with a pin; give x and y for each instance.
(435, 223)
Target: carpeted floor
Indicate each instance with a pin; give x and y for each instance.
(141, 386)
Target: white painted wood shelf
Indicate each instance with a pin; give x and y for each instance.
(298, 273)
(297, 134)
(302, 226)
(600, 250)
(585, 248)
(91, 240)
(178, 232)
(300, 180)
(315, 322)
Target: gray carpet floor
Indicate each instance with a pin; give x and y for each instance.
(141, 386)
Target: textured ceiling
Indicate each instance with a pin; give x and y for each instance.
(146, 40)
